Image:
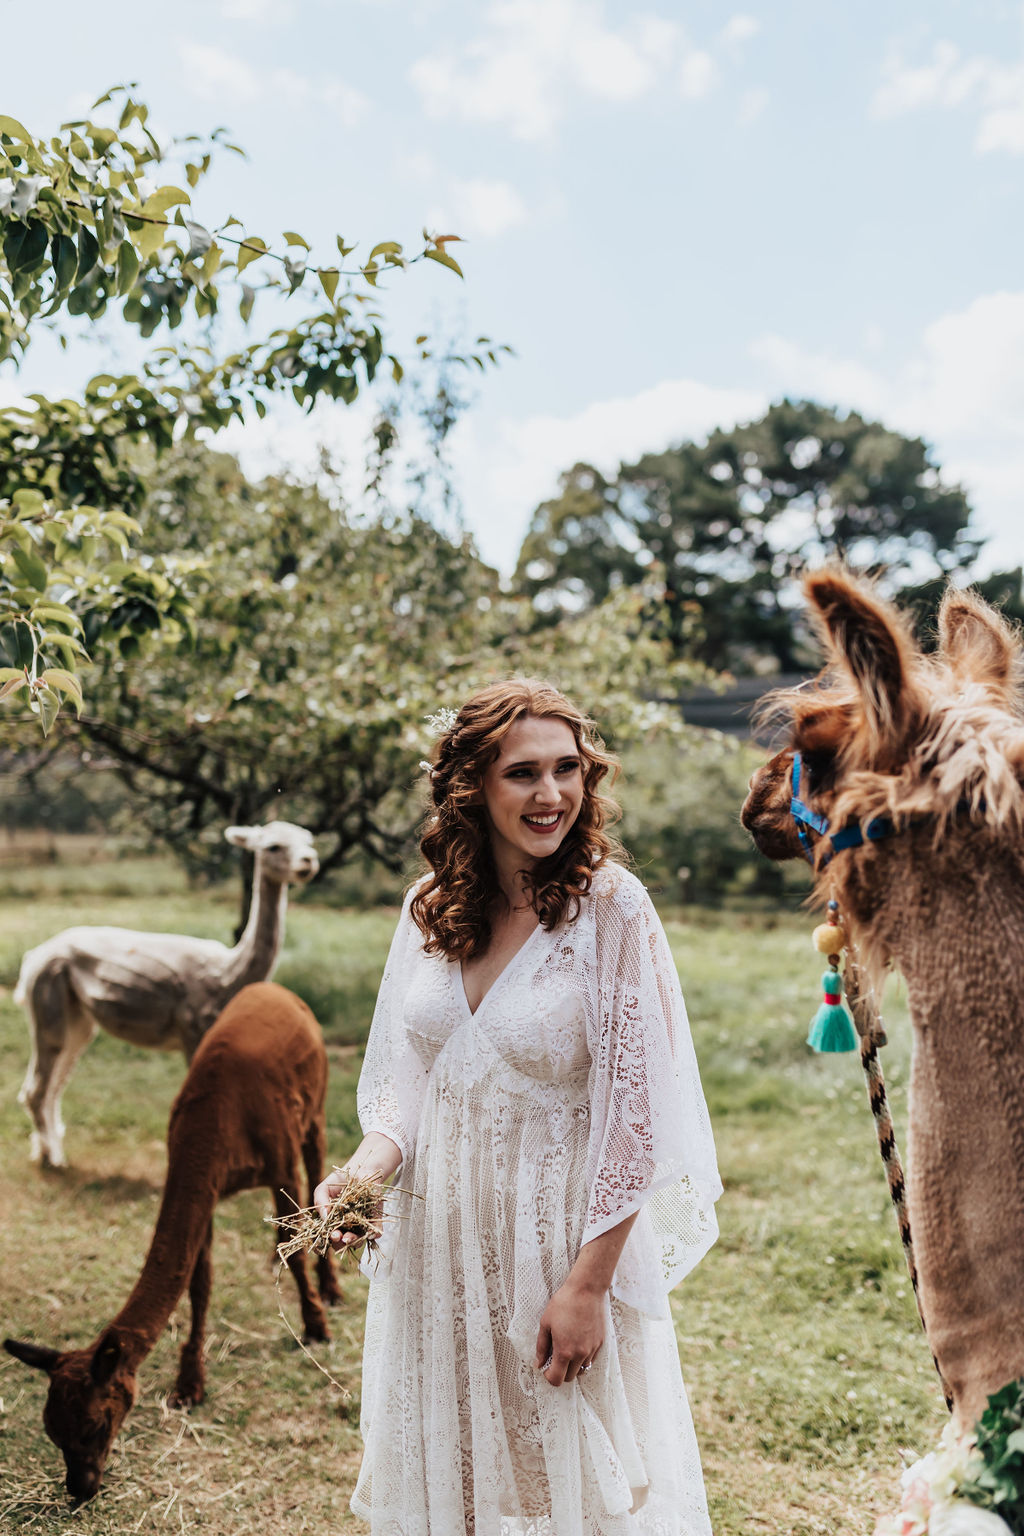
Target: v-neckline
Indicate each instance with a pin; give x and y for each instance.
(472, 1012)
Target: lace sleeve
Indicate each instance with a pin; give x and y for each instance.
(393, 1078)
(650, 1137)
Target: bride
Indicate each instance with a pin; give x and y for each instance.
(530, 1070)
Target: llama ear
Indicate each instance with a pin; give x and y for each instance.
(106, 1357)
(977, 642)
(870, 641)
(241, 837)
(37, 1355)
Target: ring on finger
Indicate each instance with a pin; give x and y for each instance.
(585, 1367)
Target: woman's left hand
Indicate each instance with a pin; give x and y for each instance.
(571, 1331)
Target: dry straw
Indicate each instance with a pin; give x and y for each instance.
(357, 1209)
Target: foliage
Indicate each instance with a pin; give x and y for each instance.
(999, 1435)
(680, 822)
(90, 220)
(732, 521)
(83, 226)
(322, 641)
(64, 574)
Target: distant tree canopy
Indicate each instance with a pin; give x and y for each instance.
(322, 642)
(732, 521)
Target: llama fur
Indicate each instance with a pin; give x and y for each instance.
(936, 743)
(250, 1111)
(158, 990)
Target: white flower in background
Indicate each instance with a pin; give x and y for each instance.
(963, 1519)
(930, 1506)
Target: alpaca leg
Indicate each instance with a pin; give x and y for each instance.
(314, 1321)
(313, 1150)
(60, 1032)
(190, 1387)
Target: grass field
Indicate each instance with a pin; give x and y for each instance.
(805, 1364)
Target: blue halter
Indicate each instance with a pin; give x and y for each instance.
(850, 836)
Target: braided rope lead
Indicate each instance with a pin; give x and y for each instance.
(869, 1026)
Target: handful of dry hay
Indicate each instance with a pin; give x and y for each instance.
(356, 1208)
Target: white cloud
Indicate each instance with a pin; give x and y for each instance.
(214, 74)
(217, 75)
(257, 11)
(532, 53)
(752, 104)
(479, 208)
(949, 80)
(697, 75)
(739, 28)
(962, 390)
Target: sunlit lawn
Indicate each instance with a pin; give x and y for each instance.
(805, 1363)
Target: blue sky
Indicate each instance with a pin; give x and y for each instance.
(674, 212)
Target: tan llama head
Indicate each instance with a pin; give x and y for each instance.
(887, 731)
(91, 1391)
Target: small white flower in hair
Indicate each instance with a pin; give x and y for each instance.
(443, 721)
(428, 768)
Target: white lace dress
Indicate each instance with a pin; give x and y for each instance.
(568, 1100)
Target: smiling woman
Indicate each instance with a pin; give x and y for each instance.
(530, 1069)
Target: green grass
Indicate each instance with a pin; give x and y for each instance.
(805, 1363)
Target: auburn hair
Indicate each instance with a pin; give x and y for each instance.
(455, 900)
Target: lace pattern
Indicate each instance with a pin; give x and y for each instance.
(570, 1099)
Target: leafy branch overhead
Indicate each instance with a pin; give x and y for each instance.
(87, 221)
(99, 219)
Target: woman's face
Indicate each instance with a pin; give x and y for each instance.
(533, 791)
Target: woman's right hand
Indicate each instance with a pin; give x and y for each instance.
(376, 1156)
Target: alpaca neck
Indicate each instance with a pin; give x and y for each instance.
(957, 927)
(255, 955)
(181, 1228)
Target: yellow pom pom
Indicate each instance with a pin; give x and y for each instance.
(828, 938)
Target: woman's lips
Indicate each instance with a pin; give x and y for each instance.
(545, 826)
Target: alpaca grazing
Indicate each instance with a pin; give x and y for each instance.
(250, 1109)
(925, 755)
(161, 990)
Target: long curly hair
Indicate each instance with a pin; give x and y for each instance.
(454, 903)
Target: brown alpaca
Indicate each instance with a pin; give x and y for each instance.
(250, 1109)
(936, 745)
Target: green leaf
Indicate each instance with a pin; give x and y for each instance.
(64, 682)
(28, 501)
(149, 240)
(13, 679)
(247, 301)
(88, 253)
(295, 267)
(386, 248)
(24, 246)
(31, 567)
(164, 198)
(26, 195)
(14, 129)
(65, 260)
(436, 253)
(200, 241)
(251, 249)
(48, 705)
(127, 267)
(328, 280)
(291, 238)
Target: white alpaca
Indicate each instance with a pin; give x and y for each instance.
(161, 990)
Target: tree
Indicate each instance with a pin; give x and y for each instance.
(87, 222)
(323, 641)
(732, 521)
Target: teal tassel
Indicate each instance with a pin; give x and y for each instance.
(832, 1028)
